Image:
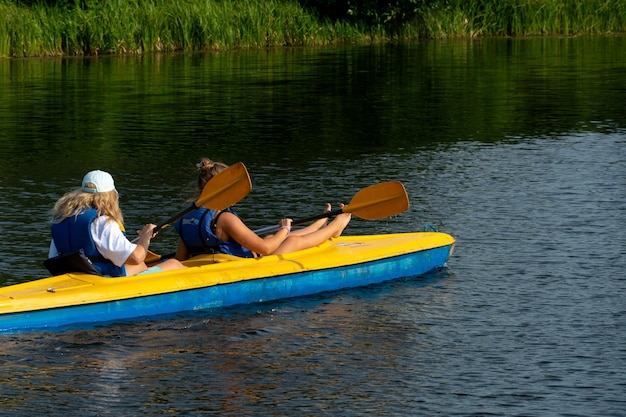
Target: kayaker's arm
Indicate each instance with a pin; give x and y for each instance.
(141, 250)
(182, 253)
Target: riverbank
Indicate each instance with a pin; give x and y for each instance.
(149, 26)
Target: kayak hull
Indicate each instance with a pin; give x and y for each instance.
(215, 281)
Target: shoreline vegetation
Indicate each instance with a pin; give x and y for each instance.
(96, 27)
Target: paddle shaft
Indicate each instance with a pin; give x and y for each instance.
(172, 219)
(222, 191)
(370, 203)
(328, 214)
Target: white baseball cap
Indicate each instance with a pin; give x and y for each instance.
(98, 182)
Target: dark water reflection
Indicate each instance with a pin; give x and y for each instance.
(516, 147)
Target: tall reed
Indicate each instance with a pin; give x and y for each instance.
(127, 26)
(139, 26)
(460, 18)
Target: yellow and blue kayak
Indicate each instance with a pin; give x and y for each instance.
(214, 281)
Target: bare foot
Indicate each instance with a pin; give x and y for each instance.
(321, 223)
(340, 223)
(327, 210)
(318, 224)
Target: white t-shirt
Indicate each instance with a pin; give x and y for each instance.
(109, 240)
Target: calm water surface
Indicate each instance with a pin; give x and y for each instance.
(515, 147)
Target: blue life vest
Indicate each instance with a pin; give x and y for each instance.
(197, 231)
(74, 233)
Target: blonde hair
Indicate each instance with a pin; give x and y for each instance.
(77, 201)
(207, 169)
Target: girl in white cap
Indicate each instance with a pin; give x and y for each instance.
(90, 219)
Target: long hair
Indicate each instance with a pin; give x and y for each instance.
(74, 202)
(207, 169)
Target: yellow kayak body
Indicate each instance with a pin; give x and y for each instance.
(217, 280)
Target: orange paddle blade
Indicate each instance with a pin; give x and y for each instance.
(226, 188)
(379, 201)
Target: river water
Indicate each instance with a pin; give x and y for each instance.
(515, 147)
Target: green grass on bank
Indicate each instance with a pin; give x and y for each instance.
(127, 26)
(526, 18)
(145, 26)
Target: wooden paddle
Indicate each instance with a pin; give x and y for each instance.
(222, 191)
(371, 203)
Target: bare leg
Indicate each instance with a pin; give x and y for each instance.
(313, 226)
(296, 242)
(170, 265)
(134, 269)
